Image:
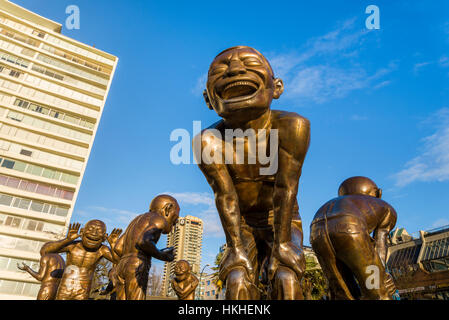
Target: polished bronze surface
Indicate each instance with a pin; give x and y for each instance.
(137, 246)
(51, 268)
(352, 260)
(259, 212)
(185, 282)
(82, 257)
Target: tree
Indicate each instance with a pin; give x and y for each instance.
(218, 283)
(100, 279)
(315, 284)
(154, 282)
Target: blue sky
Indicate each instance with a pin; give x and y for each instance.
(378, 100)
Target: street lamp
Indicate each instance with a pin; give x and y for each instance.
(201, 275)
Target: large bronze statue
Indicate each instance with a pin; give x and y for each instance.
(137, 246)
(185, 282)
(257, 207)
(51, 268)
(82, 257)
(340, 234)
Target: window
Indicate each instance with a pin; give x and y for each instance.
(5, 199)
(40, 34)
(8, 164)
(52, 113)
(26, 152)
(36, 206)
(15, 74)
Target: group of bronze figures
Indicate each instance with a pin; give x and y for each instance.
(264, 256)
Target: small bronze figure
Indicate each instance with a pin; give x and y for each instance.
(51, 268)
(82, 257)
(340, 235)
(137, 246)
(258, 208)
(185, 282)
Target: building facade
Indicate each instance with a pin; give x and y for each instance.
(186, 238)
(420, 265)
(52, 93)
(209, 290)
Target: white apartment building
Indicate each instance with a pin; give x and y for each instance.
(209, 290)
(186, 238)
(52, 93)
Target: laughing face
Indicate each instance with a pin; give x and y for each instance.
(182, 269)
(241, 84)
(93, 234)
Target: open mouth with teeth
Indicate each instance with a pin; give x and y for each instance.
(238, 91)
(92, 240)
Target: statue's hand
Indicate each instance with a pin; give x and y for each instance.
(23, 267)
(168, 254)
(287, 254)
(235, 257)
(113, 237)
(73, 234)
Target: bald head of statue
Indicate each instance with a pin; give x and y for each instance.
(241, 84)
(168, 208)
(359, 186)
(93, 234)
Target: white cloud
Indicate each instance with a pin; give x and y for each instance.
(440, 223)
(200, 85)
(194, 198)
(444, 61)
(338, 72)
(117, 216)
(201, 205)
(419, 66)
(433, 163)
(357, 117)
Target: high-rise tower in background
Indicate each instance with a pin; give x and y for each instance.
(187, 239)
(52, 93)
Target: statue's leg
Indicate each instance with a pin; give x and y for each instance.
(119, 281)
(136, 279)
(286, 285)
(333, 270)
(355, 248)
(238, 284)
(239, 287)
(47, 292)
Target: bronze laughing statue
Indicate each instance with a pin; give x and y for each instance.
(82, 257)
(340, 235)
(137, 246)
(256, 203)
(185, 282)
(51, 268)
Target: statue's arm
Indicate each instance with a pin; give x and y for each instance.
(148, 239)
(119, 245)
(382, 231)
(113, 238)
(226, 200)
(109, 254)
(175, 286)
(64, 245)
(188, 289)
(293, 145)
(37, 275)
